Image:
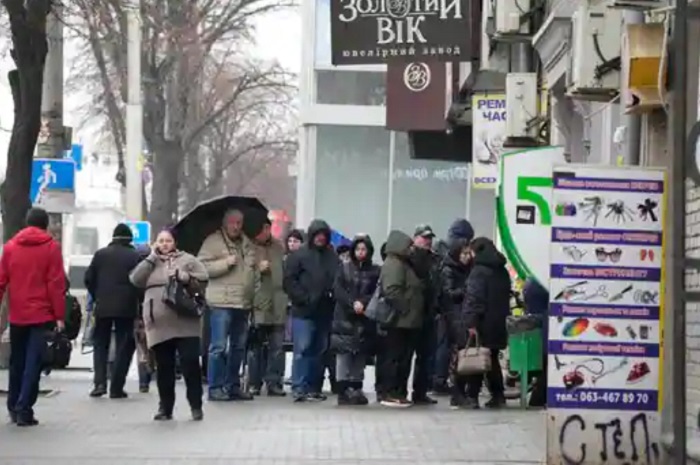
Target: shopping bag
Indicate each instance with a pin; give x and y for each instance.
(473, 360)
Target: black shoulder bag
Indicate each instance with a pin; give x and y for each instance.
(187, 300)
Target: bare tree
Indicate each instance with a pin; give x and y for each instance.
(194, 72)
(27, 19)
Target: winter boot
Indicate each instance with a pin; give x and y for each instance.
(358, 397)
(344, 393)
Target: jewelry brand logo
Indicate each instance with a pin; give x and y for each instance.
(416, 77)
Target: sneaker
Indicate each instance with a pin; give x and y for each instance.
(98, 391)
(316, 396)
(241, 396)
(197, 414)
(26, 421)
(344, 399)
(118, 395)
(393, 402)
(300, 397)
(359, 398)
(423, 400)
(218, 395)
(162, 415)
(255, 391)
(276, 391)
(495, 402)
(145, 389)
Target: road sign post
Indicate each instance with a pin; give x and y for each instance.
(53, 185)
(141, 231)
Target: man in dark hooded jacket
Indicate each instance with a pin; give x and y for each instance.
(116, 306)
(459, 229)
(309, 276)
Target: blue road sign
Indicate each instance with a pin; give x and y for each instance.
(141, 231)
(53, 184)
(76, 154)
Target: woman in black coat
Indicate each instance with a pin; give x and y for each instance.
(486, 307)
(352, 333)
(454, 272)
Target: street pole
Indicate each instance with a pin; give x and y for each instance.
(134, 118)
(679, 117)
(54, 143)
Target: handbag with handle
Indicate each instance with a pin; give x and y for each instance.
(379, 310)
(184, 299)
(474, 360)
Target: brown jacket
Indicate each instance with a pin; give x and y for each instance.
(270, 302)
(160, 321)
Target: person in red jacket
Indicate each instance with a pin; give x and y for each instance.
(31, 270)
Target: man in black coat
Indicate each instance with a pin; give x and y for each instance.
(116, 308)
(309, 276)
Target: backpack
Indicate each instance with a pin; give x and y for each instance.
(73, 318)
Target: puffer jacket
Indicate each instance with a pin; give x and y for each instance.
(401, 286)
(487, 302)
(229, 286)
(355, 281)
(309, 276)
(453, 278)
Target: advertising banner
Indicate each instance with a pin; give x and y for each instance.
(524, 214)
(489, 123)
(379, 31)
(412, 86)
(606, 314)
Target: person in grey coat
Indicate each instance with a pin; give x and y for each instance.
(167, 333)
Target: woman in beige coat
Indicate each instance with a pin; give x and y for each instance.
(167, 333)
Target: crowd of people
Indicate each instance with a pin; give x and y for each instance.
(446, 295)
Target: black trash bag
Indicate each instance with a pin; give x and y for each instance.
(57, 351)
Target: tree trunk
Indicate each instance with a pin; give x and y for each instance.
(26, 84)
(167, 161)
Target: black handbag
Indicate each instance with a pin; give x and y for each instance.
(185, 299)
(380, 310)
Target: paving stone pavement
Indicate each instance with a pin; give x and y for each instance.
(77, 430)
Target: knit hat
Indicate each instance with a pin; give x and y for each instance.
(122, 232)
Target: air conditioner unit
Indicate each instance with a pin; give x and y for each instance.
(511, 16)
(644, 67)
(594, 68)
(521, 109)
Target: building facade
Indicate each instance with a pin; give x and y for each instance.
(353, 172)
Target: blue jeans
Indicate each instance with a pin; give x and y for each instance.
(310, 342)
(27, 346)
(266, 361)
(229, 334)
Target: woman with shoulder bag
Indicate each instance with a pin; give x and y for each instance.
(169, 331)
(486, 306)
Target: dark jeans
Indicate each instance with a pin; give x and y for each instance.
(187, 348)
(395, 363)
(425, 358)
(310, 345)
(27, 346)
(126, 346)
(538, 398)
(266, 361)
(229, 330)
(494, 379)
(145, 375)
(442, 354)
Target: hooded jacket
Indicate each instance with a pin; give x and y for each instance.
(460, 229)
(31, 270)
(356, 281)
(309, 275)
(401, 286)
(107, 280)
(270, 301)
(487, 302)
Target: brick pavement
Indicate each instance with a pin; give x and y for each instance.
(77, 430)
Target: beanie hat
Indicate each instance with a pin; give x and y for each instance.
(37, 218)
(123, 232)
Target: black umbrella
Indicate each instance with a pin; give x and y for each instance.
(207, 217)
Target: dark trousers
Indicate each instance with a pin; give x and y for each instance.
(442, 354)
(266, 361)
(27, 346)
(425, 358)
(124, 352)
(395, 363)
(538, 398)
(166, 360)
(494, 379)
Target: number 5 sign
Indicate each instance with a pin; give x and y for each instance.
(524, 212)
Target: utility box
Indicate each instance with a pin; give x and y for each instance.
(521, 108)
(644, 67)
(509, 16)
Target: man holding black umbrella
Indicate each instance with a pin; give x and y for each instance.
(229, 258)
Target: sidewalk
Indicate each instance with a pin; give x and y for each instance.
(77, 430)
